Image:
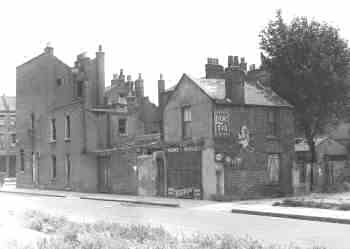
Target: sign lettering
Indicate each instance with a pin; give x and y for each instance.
(222, 123)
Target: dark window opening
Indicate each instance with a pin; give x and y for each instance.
(122, 126)
(54, 169)
(13, 138)
(68, 168)
(32, 119)
(67, 126)
(59, 81)
(53, 129)
(80, 85)
(21, 153)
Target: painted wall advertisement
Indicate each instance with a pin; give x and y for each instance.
(222, 123)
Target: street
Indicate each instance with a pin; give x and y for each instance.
(184, 221)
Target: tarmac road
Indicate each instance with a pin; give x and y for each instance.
(185, 221)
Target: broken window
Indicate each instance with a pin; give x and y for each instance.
(186, 122)
(273, 167)
(67, 127)
(122, 126)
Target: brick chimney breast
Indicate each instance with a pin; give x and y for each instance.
(213, 70)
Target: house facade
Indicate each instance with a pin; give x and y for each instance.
(7, 136)
(226, 134)
(73, 132)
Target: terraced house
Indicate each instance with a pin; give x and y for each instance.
(7, 136)
(72, 131)
(226, 134)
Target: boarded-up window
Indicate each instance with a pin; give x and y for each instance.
(273, 167)
(186, 122)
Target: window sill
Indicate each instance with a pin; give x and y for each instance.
(67, 139)
(123, 134)
(52, 141)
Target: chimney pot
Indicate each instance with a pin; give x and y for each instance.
(252, 67)
(99, 48)
(128, 78)
(140, 76)
(235, 61)
(161, 77)
(230, 60)
(242, 60)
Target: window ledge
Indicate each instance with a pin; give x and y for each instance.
(123, 134)
(67, 139)
(52, 141)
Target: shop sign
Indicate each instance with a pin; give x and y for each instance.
(222, 123)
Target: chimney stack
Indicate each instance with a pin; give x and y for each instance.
(161, 89)
(100, 68)
(234, 79)
(48, 49)
(139, 90)
(213, 70)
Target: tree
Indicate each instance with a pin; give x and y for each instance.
(308, 64)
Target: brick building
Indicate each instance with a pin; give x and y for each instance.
(226, 134)
(73, 133)
(7, 136)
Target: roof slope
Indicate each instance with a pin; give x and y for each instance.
(254, 92)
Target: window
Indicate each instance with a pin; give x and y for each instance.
(21, 154)
(53, 129)
(272, 116)
(2, 120)
(80, 85)
(32, 120)
(273, 167)
(122, 126)
(54, 167)
(186, 122)
(59, 81)
(67, 127)
(13, 138)
(302, 173)
(68, 168)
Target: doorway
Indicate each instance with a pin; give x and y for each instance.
(104, 174)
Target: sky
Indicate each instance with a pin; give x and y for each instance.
(148, 37)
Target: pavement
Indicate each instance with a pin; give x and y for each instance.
(253, 207)
(185, 221)
(141, 200)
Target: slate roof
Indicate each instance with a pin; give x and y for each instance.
(254, 92)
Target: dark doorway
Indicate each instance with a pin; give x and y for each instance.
(104, 174)
(160, 183)
(12, 169)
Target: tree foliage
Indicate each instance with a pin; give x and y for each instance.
(309, 65)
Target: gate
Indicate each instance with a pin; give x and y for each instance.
(184, 173)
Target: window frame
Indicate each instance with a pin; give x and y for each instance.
(53, 167)
(272, 122)
(125, 133)
(274, 156)
(186, 121)
(53, 130)
(22, 160)
(67, 127)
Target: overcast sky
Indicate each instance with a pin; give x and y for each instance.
(148, 37)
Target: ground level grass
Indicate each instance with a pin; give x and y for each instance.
(61, 233)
